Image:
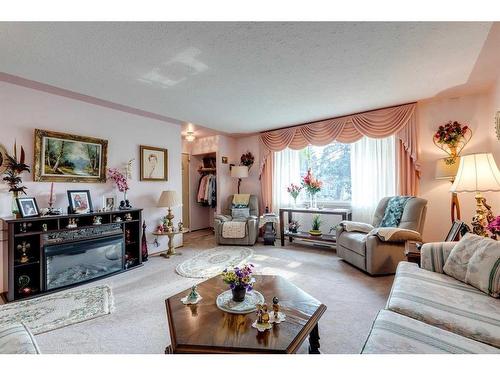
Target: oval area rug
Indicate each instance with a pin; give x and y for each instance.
(212, 262)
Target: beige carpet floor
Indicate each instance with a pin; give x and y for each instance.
(138, 324)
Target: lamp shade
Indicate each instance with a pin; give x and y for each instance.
(477, 173)
(446, 170)
(239, 171)
(169, 198)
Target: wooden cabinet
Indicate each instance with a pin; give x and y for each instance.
(27, 239)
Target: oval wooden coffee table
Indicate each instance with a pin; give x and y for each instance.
(204, 328)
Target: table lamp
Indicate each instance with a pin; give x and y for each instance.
(446, 169)
(478, 173)
(169, 199)
(239, 172)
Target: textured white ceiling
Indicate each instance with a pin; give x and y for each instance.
(246, 77)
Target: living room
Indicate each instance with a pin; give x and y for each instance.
(242, 187)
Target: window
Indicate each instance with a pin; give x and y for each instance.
(332, 165)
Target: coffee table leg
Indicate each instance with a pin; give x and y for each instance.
(314, 341)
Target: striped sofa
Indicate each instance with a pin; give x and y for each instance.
(430, 312)
(17, 339)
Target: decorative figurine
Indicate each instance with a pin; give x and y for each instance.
(23, 248)
(181, 226)
(127, 236)
(44, 227)
(276, 306)
(97, 220)
(71, 223)
(23, 228)
(170, 230)
(193, 297)
(118, 219)
(262, 322)
(277, 316)
(159, 228)
(144, 243)
(23, 281)
(128, 216)
(265, 314)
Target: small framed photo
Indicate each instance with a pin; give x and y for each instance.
(80, 201)
(28, 207)
(154, 163)
(458, 229)
(109, 203)
(224, 160)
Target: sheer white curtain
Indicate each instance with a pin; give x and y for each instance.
(373, 175)
(286, 171)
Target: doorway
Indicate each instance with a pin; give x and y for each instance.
(185, 190)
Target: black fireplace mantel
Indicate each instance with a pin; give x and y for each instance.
(29, 238)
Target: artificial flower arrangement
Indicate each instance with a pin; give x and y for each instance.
(293, 226)
(311, 184)
(494, 227)
(247, 159)
(240, 280)
(12, 175)
(294, 191)
(121, 182)
(454, 136)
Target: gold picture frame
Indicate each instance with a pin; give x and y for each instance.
(62, 157)
(154, 163)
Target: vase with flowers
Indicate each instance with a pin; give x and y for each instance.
(121, 182)
(294, 191)
(12, 176)
(452, 138)
(240, 281)
(312, 186)
(494, 228)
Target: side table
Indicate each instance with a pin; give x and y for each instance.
(412, 251)
(171, 249)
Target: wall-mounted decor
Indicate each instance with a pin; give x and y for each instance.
(452, 138)
(154, 163)
(28, 207)
(497, 124)
(64, 157)
(80, 201)
(224, 160)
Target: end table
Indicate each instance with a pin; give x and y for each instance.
(412, 251)
(171, 248)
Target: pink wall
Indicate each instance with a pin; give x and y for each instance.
(476, 111)
(24, 109)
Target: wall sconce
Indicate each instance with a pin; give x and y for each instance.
(190, 136)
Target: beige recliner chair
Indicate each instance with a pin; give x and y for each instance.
(369, 251)
(252, 223)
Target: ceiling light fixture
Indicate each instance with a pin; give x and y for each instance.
(190, 136)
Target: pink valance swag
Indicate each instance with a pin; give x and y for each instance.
(381, 123)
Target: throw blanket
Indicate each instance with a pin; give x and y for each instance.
(234, 229)
(394, 211)
(395, 234)
(241, 200)
(353, 226)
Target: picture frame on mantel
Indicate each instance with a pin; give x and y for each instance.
(62, 157)
(154, 163)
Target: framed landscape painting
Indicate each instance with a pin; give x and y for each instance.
(154, 163)
(61, 157)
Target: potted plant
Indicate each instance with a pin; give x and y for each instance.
(294, 191)
(240, 281)
(121, 181)
(316, 224)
